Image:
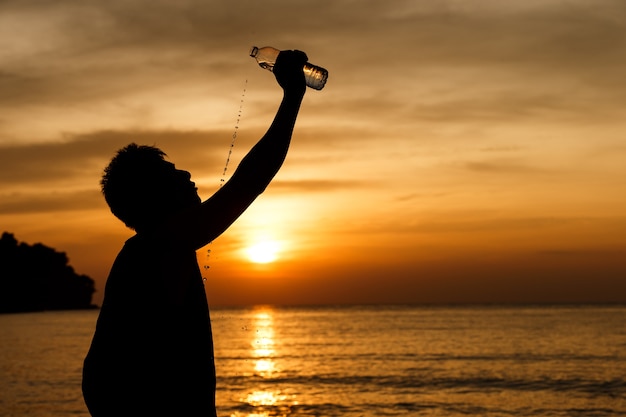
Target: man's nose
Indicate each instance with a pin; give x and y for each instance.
(184, 174)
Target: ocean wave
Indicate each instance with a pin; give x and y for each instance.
(614, 388)
(413, 408)
(420, 357)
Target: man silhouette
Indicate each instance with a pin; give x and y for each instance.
(152, 351)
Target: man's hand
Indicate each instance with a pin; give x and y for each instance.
(288, 71)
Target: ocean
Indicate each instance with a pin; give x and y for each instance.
(358, 361)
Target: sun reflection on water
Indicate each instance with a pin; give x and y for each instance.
(266, 398)
(267, 403)
(265, 367)
(263, 343)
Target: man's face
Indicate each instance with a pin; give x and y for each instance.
(178, 187)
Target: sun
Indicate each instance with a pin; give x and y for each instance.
(263, 252)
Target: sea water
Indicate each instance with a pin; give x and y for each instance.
(358, 361)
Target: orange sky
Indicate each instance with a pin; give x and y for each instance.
(460, 152)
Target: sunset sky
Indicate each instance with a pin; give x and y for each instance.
(462, 151)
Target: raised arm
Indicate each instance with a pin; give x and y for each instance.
(201, 225)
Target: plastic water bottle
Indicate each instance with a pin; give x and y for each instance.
(266, 57)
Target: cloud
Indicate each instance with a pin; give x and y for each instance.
(66, 163)
(97, 50)
(507, 148)
(505, 166)
(459, 222)
(312, 186)
(50, 202)
(583, 253)
(473, 223)
(432, 61)
(447, 125)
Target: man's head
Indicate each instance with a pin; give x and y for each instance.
(142, 188)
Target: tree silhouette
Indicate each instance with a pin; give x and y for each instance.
(36, 277)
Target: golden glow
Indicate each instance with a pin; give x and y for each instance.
(257, 398)
(263, 349)
(263, 252)
(264, 367)
(263, 344)
(384, 199)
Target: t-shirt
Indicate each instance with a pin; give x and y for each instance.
(152, 351)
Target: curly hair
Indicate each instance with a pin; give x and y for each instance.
(130, 182)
